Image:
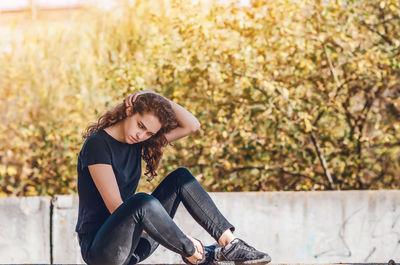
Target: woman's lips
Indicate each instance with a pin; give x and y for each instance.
(132, 138)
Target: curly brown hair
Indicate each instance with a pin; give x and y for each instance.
(154, 146)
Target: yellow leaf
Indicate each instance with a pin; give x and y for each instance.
(308, 125)
(11, 171)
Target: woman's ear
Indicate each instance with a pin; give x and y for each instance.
(128, 111)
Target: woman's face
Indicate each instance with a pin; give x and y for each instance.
(140, 127)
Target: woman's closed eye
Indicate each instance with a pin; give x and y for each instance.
(141, 126)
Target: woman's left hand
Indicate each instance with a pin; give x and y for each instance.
(199, 253)
(132, 97)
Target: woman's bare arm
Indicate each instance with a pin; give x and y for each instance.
(188, 123)
(106, 183)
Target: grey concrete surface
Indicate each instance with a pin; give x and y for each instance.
(297, 227)
(24, 230)
(293, 227)
(308, 227)
(65, 242)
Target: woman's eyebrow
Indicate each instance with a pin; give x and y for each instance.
(144, 126)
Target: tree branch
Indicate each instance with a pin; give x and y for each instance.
(323, 161)
(385, 38)
(331, 68)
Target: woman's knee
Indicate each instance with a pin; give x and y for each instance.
(182, 175)
(138, 204)
(182, 171)
(144, 200)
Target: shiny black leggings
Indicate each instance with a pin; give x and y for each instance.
(120, 240)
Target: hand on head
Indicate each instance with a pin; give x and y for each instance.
(132, 97)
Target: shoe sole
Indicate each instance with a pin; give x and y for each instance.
(248, 262)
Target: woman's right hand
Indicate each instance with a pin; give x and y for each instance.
(132, 97)
(198, 254)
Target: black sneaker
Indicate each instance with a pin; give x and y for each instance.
(209, 253)
(238, 252)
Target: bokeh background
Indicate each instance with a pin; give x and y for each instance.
(290, 94)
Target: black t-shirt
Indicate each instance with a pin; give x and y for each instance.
(125, 159)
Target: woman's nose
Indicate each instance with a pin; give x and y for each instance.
(139, 135)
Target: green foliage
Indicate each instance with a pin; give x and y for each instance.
(278, 86)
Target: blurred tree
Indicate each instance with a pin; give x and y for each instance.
(291, 95)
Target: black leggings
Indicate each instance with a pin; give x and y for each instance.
(120, 240)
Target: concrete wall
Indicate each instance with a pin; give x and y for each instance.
(65, 242)
(24, 230)
(308, 227)
(293, 227)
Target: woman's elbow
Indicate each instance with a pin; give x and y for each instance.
(195, 127)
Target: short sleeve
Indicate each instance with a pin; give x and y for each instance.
(95, 151)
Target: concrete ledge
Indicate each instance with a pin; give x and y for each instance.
(65, 242)
(25, 229)
(345, 227)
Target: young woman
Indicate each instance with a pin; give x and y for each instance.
(117, 226)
